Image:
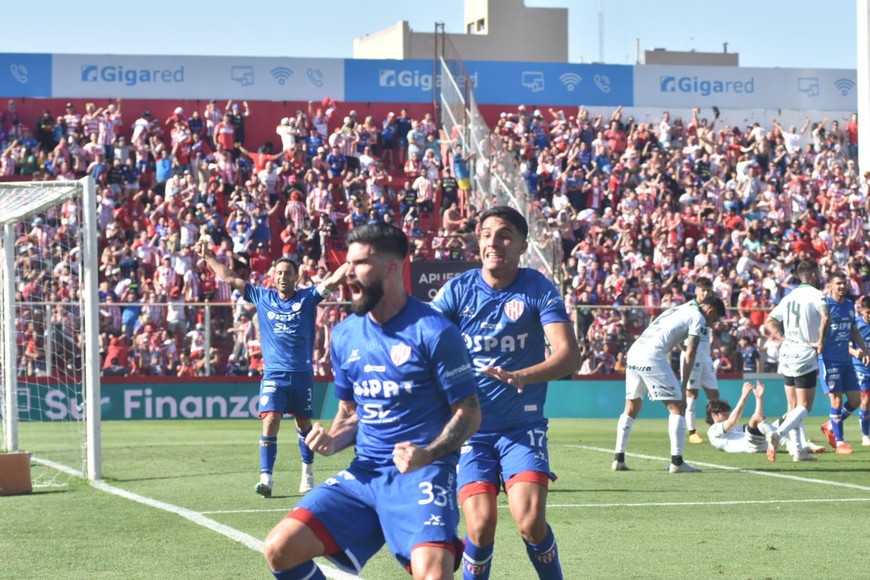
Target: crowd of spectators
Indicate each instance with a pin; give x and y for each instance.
(165, 185)
(641, 209)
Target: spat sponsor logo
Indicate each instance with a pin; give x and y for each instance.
(508, 343)
(381, 389)
(281, 317)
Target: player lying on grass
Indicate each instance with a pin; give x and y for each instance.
(726, 435)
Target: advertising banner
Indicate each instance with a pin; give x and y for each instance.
(745, 88)
(558, 84)
(155, 400)
(413, 81)
(428, 277)
(197, 77)
(25, 75)
(599, 397)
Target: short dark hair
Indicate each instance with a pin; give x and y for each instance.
(716, 303)
(806, 269)
(290, 261)
(509, 215)
(838, 274)
(704, 282)
(716, 406)
(384, 238)
(864, 302)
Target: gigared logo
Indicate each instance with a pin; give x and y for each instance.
(400, 353)
(514, 309)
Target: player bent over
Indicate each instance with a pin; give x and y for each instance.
(702, 373)
(649, 373)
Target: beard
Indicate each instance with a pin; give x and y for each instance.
(370, 296)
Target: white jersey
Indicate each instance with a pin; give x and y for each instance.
(735, 440)
(703, 351)
(801, 316)
(667, 331)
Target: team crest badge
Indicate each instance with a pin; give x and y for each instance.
(400, 353)
(514, 309)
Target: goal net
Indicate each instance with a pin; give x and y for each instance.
(49, 365)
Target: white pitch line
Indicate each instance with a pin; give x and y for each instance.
(246, 540)
(707, 503)
(739, 469)
(263, 511)
(629, 505)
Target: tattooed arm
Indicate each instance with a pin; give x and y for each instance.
(463, 424)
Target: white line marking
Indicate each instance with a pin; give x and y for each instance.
(622, 505)
(740, 469)
(707, 503)
(245, 539)
(263, 511)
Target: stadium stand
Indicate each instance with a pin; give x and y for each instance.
(641, 210)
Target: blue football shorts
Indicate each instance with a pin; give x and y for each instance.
(863, 380)
(837, 377)
(287, 393)
(366, 505)
(494, 458)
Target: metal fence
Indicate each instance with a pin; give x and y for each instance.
(496, 175)
(599, 329)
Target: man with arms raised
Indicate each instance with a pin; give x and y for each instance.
(507, 316)
(286, 316)
(649, 372)
(407, 400)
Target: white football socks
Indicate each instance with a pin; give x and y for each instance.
(623, 432)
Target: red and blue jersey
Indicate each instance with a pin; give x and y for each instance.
(842, 317)
(403, 376)
(504, 328)
(286, 327)
(864, 329)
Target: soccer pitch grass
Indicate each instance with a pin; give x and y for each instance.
(178, 502)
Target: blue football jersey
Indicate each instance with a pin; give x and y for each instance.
(864, 329)
(840, 330)
(504, 328)
(286, 327)
(403, 377)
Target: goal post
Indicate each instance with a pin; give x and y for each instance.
(49, 312)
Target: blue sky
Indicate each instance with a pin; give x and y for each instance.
(766, 33)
